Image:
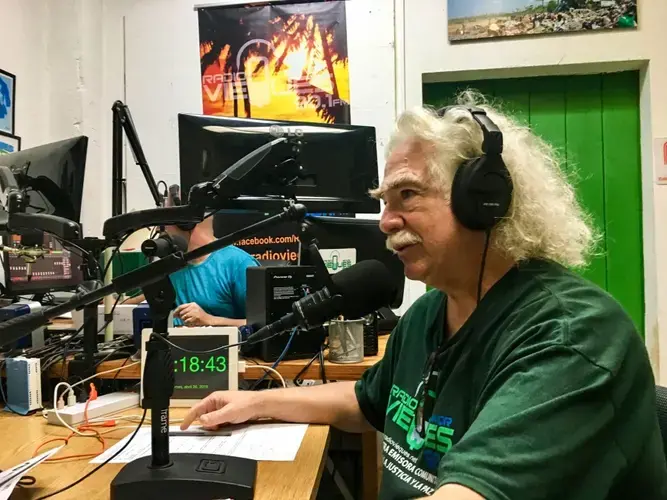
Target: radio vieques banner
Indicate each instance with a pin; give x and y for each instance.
(287, 61)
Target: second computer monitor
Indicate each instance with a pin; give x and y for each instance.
(342, 241)
(339, 161)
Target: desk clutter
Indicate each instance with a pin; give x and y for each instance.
(113, 412)
(293, 467)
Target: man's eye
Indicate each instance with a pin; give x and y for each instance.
(406, 194)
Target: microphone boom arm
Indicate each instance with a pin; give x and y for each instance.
(122, 121)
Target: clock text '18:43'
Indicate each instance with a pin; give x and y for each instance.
(195, 364)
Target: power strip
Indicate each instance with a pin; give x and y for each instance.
(103, 405)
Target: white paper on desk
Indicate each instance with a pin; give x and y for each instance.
(258, 441)
(10, 478)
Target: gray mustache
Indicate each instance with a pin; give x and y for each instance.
(402, 239)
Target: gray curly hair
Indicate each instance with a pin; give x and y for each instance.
(544, 220)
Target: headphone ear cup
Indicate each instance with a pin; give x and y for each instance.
(461, 202)
(481, 193)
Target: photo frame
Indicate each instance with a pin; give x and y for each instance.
(7, 102)
(9, 143)
(478, 19)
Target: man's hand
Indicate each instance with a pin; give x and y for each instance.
(330, 404)
(193, 315)
(224, 407)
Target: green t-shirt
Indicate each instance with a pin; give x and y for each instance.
(546, 392)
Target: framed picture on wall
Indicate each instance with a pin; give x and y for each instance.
(474, 19)
(286, 61)
(9, 143)
(7, 101)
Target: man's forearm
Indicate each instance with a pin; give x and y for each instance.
(333, 404)
(137, 299)
(220, 321)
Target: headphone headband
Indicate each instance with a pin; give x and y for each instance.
(493, 137)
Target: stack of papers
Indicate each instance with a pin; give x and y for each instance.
(257, 441)
(10, 478)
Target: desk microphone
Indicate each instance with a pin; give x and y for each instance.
(355, 292)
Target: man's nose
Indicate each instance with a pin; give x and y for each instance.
(391, 221)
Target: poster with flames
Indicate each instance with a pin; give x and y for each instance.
(287, 61)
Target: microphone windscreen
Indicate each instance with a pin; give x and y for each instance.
(365, 287)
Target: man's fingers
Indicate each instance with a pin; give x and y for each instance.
(182, 310)
(215, 418)
(209, 404)
(195, 412)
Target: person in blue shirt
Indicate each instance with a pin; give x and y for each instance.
(210, 291)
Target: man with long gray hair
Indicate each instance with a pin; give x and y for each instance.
(514, 378)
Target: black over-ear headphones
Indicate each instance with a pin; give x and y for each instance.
(175, 195)
(482, 186)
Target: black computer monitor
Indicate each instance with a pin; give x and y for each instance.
(58, 269)
(340, 161)
(52, 176)
(278, 244)
(345, 241)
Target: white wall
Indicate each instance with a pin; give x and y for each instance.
(24, 41)
(75, 70)
(428, 56)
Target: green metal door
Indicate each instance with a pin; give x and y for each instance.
(593, 121)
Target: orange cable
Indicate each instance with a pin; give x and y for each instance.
(85, 427)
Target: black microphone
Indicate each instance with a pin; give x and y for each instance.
(165, 244)
(356, 291)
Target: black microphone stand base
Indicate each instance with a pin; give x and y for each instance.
(193, 476)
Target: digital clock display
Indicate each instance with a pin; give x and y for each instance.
(196, 364)
(198, 375)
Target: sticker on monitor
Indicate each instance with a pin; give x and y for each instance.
(337, 259)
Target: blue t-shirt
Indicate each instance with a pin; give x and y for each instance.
(217, 285)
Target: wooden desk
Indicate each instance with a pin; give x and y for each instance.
(371, 454)
(21, 435)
